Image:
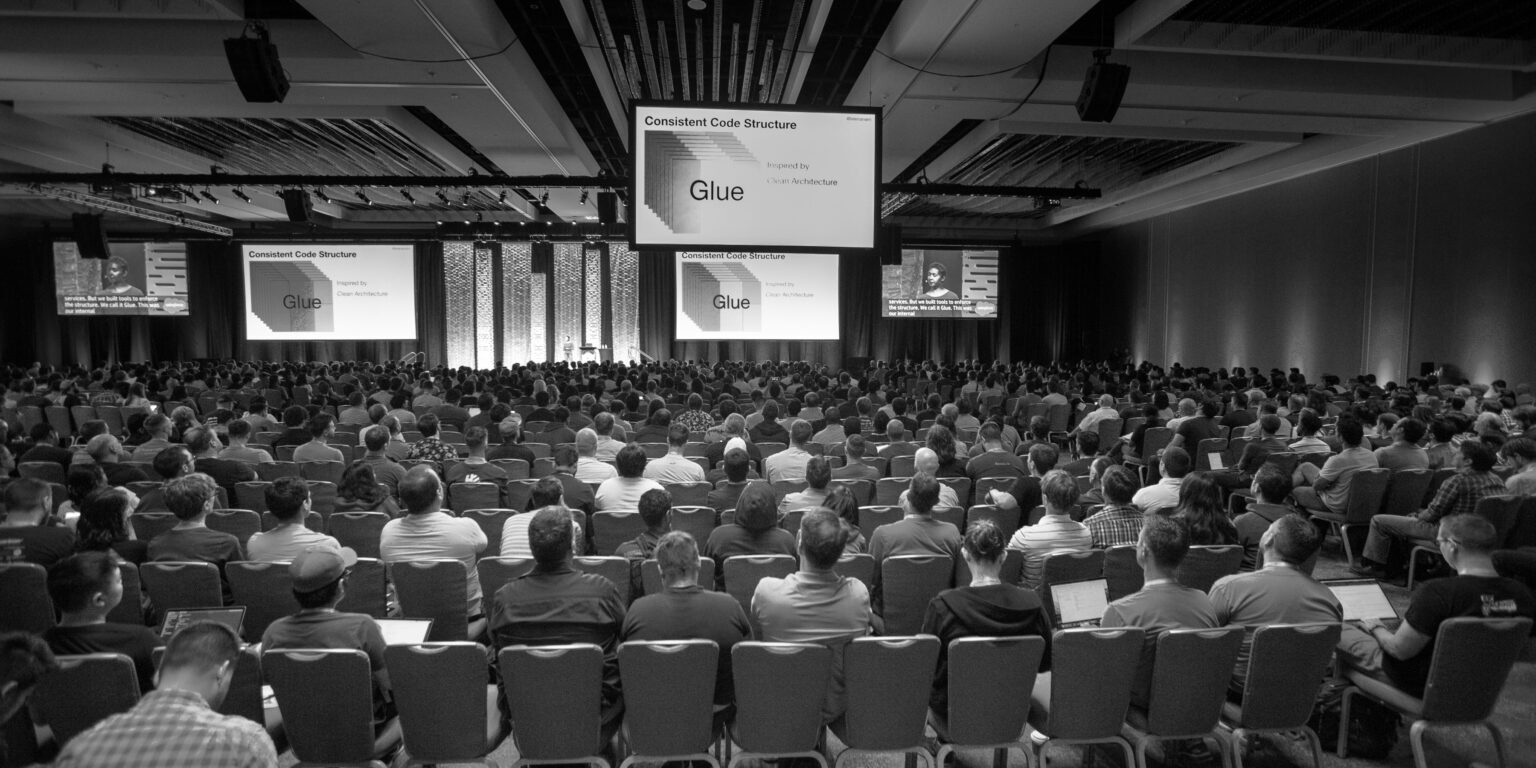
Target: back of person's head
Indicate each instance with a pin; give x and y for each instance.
(74, 581)
(103, 518)
(586, 442)
(294, 416)
(197, 439)
(1294, 538)
(420, 490)
(737, 463)
(984, 541)
(427, 425)
(239, 429)
(390, 423)
(655, 504)
(1472, 532)
(678, 556)
(286, 497)
(26, 494)
(1088, 443)
(200, 647)
(818, 472)
(548, 491)
(1200, 493)
(475, 438)
(1522, 448)
(851, 425)
(82, 480)
(630, 461)
(895, 430)
(844, 504)
(1059, 490)
(375, 438)
(1309, 423)
(1165, 539)
(991, 432)
(24, 659)
(660, 416)
(1412, 429)
(923, 493)
(735, 424)
(1176, 462)
(1269, 423)
(258, 404)
(821, 538)
(800, 432)
(171, 462)
(1209, 407)
(1274, 484)
(564, 456)
(1120, 485)
(550, 535)
(1479, 455)
(602, 423)
(1350, 431)
(677, 435)
(1042, 457)
(855, 447)
(757, 509)
(319, 424)
(188, 496)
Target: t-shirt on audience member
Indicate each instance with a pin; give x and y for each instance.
(428, 533)
(288, 501)
(85, 588)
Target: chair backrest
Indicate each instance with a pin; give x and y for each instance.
(1286, 665)
(961, 486)
(888, 489)
(433, 589)
(495, 572)
(985, 485)
(860, 566)
(610, 529)
(24, 602)
(1204, 564)
(770, 448)
(1062, 567)
(742, 572)
(326, 697)
(651, 579)
(669, 692)
(1091, 675)
(1153, 440)
(1189, 679)
(240, 523)
(173, 585)
(266, 591)
(1524, 532)
(782, 488)
(689, 494)
(83, 691)
(322, 497)
(329, 471)
(1121, 570)
(1472, 658)
(129, 610)
(697, 521)
(1435, 481)
(564, 722)
(366, 589)
(990, 679)
(253, 494)
(516, 469)
(519, 492)
(902, 465)
(1501, 512)
(908, 582)
(1405, 491)
(1109, 432)
(462, 496)
(47, 471)
(1204, 450)
(780, 688)
(490, 521)
(148, 525)
(1367, 487)
(614, 569)
(359, 530)
(1012, 570)
(440, 694)
(863, 490)
(872, 517)
(889, 680)
(1007, 520)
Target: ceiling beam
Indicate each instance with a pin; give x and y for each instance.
(1142, 17)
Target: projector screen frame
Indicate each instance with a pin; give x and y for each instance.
(633, 201)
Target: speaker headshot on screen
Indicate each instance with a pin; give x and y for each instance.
(936, 281)
(115, 278)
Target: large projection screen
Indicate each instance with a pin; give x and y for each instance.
(135, 279)
(317, 292)
(726, 178)
(779, 296)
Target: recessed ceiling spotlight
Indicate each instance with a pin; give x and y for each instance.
(697, 5)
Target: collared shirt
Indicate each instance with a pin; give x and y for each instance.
(1460, 493)
(283, 543)
(788, 464)
(815, 607)
(171, 729)
(245, 454)
(1164, 493)
(437, 536)
(1115, 525)
(673, 468)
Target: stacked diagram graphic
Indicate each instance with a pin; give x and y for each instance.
(722, 279)
(284, 296)
(673, 159)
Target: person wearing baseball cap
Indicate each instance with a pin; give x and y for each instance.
(511, 446)
(319, 583)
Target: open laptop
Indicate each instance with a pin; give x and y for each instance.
(1362, 599)
(1217, 462)
(404, 631)
(1079, 603)
(231, 617)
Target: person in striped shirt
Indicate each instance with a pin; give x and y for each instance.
(1056, 532)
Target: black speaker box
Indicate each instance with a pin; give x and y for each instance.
(253, 62)
(888, 244)
(90, 236)
(607, 208)
(297, 203)
(1102, 90)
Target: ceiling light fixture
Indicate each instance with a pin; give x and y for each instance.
(442, 197)
(583, 197)
(363, 197)
(240, 193)
(406, 193)
(209, 197)
(320, 193)
(544, 198)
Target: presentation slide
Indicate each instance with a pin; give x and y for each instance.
(775, 296)
(721, 178)
(136, 279)
(940, 283)
(329, 291)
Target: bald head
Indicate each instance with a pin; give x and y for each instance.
(421, 490)
(925, 460)
(586, 442)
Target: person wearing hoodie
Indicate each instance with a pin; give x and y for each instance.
(985, 608)
(754, 531)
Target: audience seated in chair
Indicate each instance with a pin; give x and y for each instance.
(1056, 531)
(1392, 537)
(85, 588)
(429, 533)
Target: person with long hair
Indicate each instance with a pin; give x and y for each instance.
(81, 481)
(942, 441)
(103, 526)
(1200, 509)
(842, 502)
(360, 492)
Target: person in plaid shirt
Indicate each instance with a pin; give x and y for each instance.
(1119, 522)
(176, 725)
(429, 447)
(1458, 495)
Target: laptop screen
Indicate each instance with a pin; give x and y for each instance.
(1362, 599)
(231, 617)
(404, 631)
(1079, 603)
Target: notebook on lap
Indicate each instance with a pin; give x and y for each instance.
(1079, 603)
(231, 617)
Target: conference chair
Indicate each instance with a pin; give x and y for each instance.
(565, 722)
(669, 700)
(961, 486)
(888, 489)
(872, 517)
(1204, 564)
(990, 680)
(46, 471)
(495, 572)
(24, 602)
(860, 566)
(285, 452)
(1435, 481)
(172, 585)
(614, 569)
(148, 525)
(1084, 698)
(448, 714)
(743, 572)
(358, 530)
(462, 496)
(84, 690)
(1472, 659)
(240, 523)
(57, 417)
(326, 696)
(434, 589)
(1500, 511)
(888, 681)
(1007, 520)
(1062, 566)
(520, 492)
(516, 469)
(141, 488)
(130, 609)
(490, 521)
(1060, 416)
(1286, 666)
(272, 470)
(651, 578)
(329, 471)
(953, 515)
(863, 490)
(1189, 687)
(1367, 487)
(908, 582)
(266, 591)
(1109, 432)
(366, 590)
(696, 521)
(252, 495)
(902, 466)
(780, 689)
(539, 450)
(688, 494)
(322, 497)
(1205, 448)
(1405, 491)
(612, 528)
(769, 449)
(985, 485)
